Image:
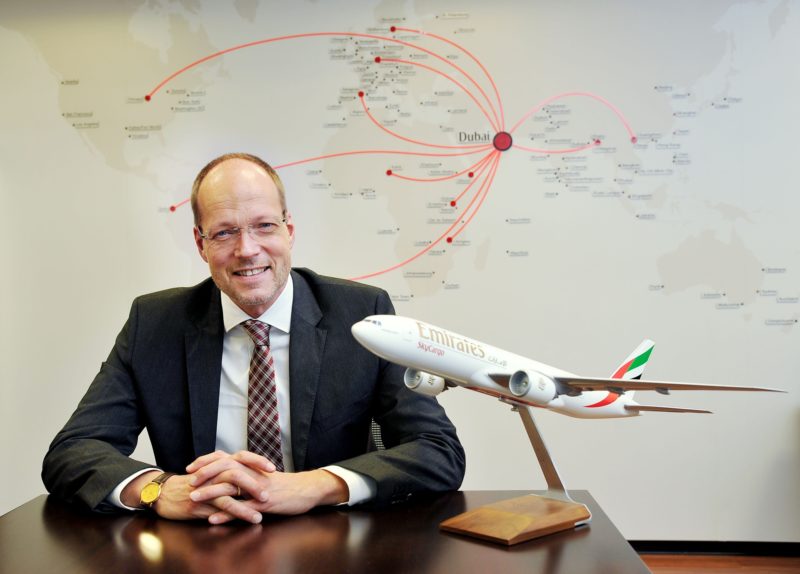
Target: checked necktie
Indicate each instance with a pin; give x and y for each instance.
(263, 427)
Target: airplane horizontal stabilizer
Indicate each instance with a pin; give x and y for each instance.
(643, 408)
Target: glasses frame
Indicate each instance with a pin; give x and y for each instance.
(238, 233)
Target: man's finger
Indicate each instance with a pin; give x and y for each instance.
(206, 459)
(235, 509)
(247, 483)
(243, 478)
(255, 461)
(210, 464)
(213, 491)
(213, 469)
(230, 484)
(222, 516)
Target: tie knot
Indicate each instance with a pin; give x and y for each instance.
(258, 331)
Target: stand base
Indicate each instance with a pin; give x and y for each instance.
(518, 519)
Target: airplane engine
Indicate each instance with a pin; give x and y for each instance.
(423, 383)
(532, 386)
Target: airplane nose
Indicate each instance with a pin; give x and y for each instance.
(360, 331)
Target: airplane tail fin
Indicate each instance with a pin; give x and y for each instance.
(632, 368)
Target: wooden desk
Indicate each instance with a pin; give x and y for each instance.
(45, 535)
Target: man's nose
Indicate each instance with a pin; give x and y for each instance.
(246, 246)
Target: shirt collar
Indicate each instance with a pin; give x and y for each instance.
(279, 314)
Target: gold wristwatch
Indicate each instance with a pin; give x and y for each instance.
(152, 490)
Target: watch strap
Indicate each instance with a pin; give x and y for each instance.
(162, 478)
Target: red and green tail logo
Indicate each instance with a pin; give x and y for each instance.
(631, 369)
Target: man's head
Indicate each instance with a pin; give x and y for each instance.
(243, 230)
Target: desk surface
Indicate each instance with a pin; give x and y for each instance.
(45, 535)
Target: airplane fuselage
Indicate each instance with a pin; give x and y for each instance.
(425, 349)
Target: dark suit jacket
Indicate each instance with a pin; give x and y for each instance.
(163, 374)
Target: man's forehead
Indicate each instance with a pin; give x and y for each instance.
(236, 169)
(235, 184)
(239, 208)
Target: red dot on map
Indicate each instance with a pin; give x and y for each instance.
(502, 141)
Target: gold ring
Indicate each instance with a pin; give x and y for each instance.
(238, 491)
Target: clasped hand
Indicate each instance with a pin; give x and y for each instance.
(222, 487)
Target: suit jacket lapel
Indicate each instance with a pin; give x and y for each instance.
(306, 345)
(203, 343)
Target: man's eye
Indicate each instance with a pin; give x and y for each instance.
(224, 234)
(264, 227)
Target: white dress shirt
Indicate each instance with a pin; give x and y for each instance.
(237, 349)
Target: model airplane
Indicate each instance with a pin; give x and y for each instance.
(437, 359)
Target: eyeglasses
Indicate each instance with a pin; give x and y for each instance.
(260, 230)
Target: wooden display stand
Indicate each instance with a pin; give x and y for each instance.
(526, 517)
(518, 519)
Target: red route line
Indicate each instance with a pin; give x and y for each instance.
(483, 186)
(175, 206)
(305, 35)
(502, 121)
(453, 176)
(485, 183)
(603, 101)
(485, 160)
(495, 126)
(398, 136)
(375, 152)
(417, 255)
(482, 194)
(595, 143)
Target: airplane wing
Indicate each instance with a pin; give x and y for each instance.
(645, 408)
(514, 401)
(619, 386)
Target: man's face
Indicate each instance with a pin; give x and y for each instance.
(250, 269)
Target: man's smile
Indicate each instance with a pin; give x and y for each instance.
(251, 272)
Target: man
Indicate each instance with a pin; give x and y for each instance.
(182, 365)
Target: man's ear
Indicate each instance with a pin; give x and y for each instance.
(290, 228)
(199, 242)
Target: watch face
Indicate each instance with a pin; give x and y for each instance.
(150, 493)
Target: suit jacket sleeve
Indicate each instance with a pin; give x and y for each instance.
(162, 374)
(89, 456)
